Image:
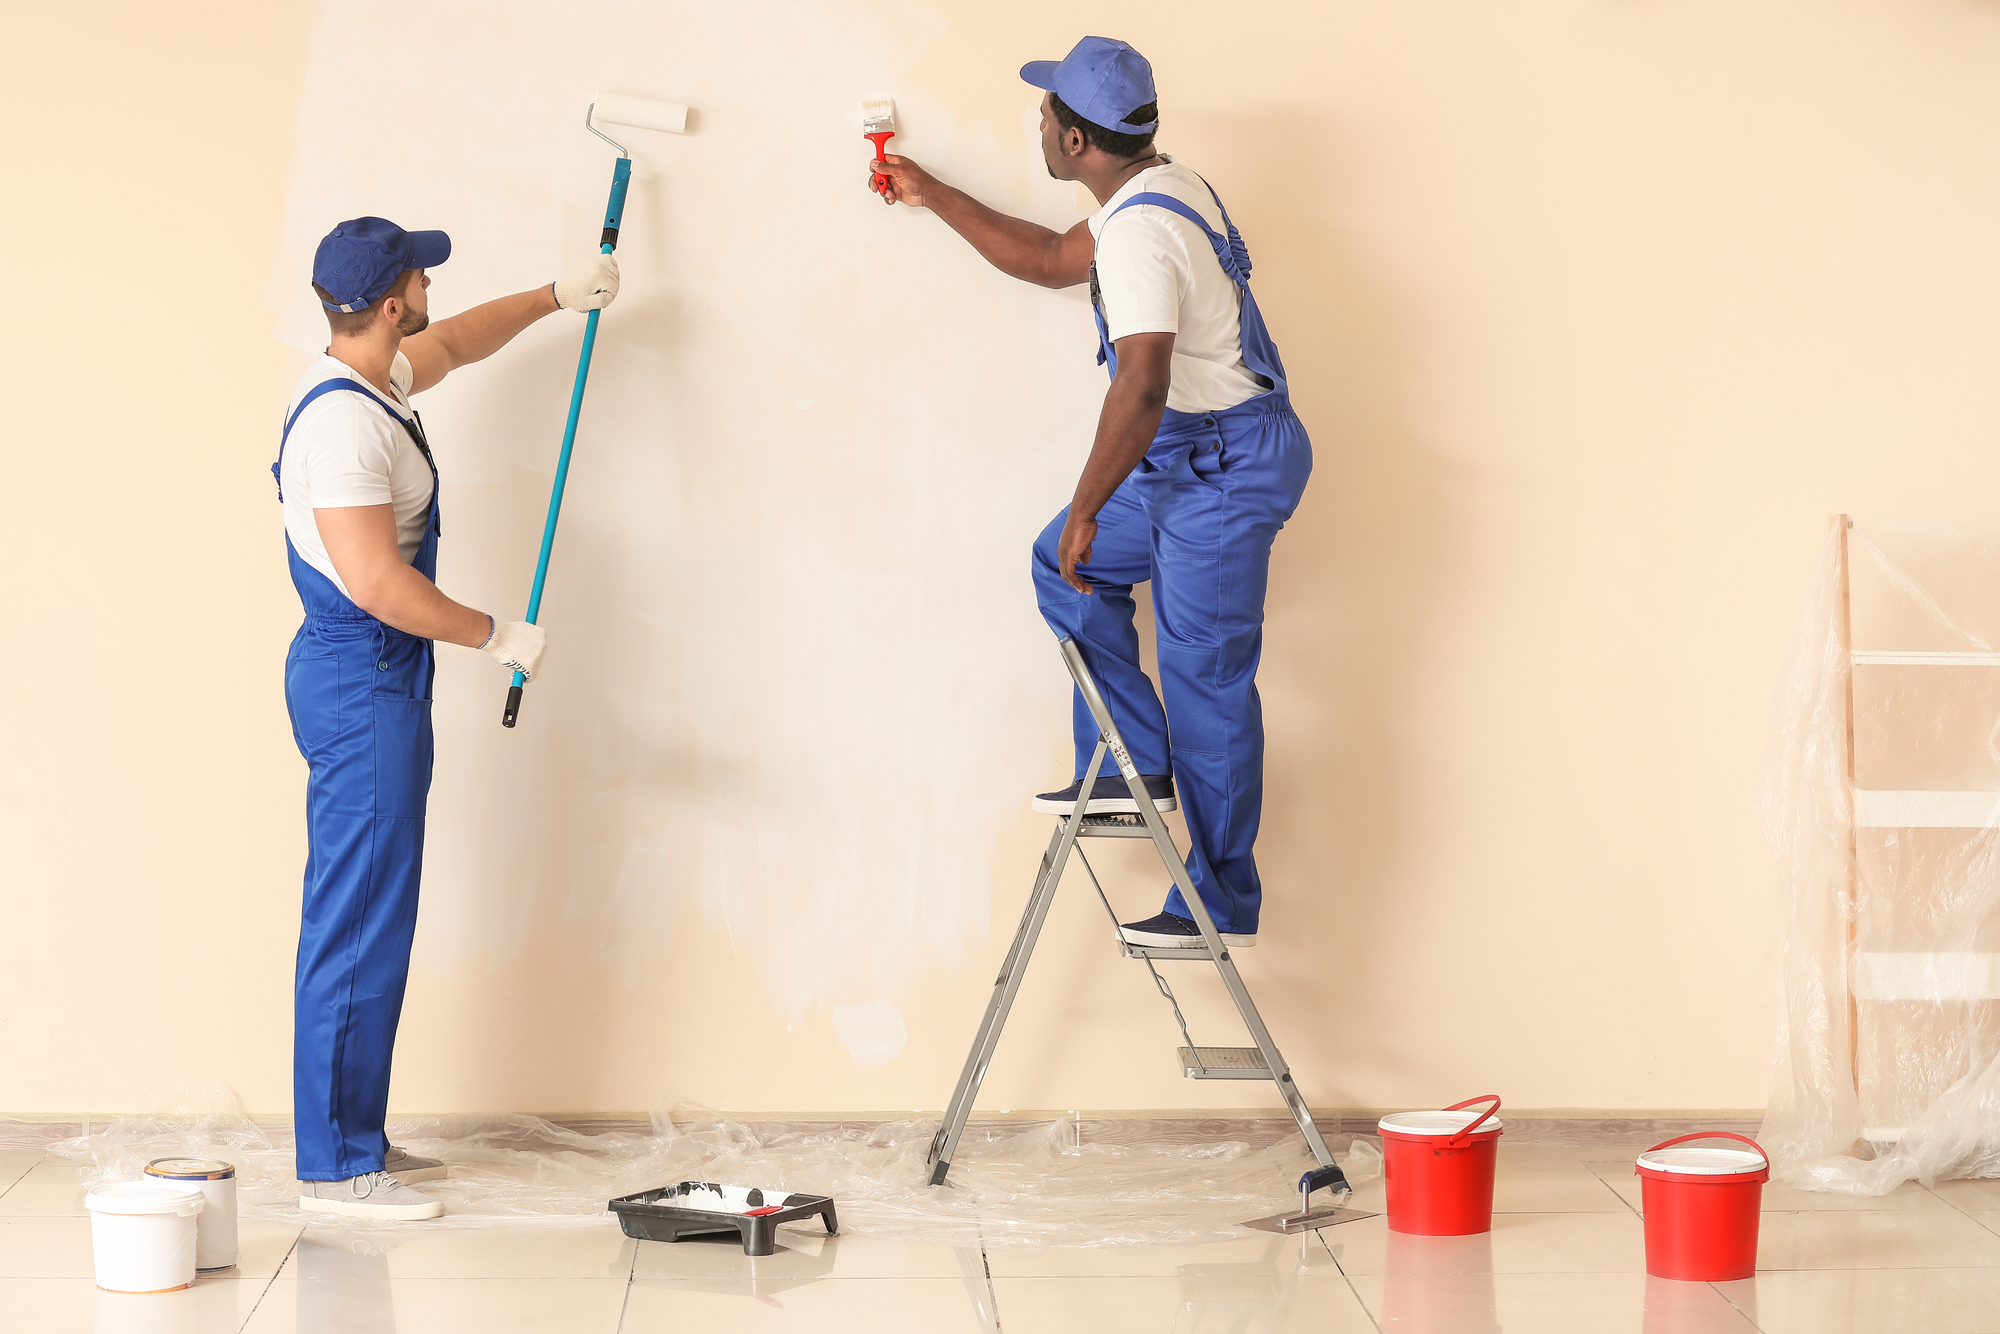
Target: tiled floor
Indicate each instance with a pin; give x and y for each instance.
(1566, 1253)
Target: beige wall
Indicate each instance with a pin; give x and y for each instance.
(1595, 312)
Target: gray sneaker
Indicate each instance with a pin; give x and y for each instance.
(409, 1169)
(370, 1195)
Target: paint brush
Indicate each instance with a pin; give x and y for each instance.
(878, 122)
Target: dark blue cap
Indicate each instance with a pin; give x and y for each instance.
(1101, 80)
(360, 260)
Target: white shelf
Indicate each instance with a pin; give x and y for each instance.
(1926, 977)
(1926, 810)
(1878, 657)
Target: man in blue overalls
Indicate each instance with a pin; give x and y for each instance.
(1199, 461)
(359, 488)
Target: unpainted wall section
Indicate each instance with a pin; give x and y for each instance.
(1595, 311)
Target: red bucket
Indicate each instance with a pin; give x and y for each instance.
(1438, 1167)
(1701, 1208)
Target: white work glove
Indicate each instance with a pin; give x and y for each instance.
(591, 287)
(517, 646)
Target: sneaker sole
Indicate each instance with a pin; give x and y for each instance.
(1159, 941)
(312, 1204)
(418, 1174)
(1099, 806)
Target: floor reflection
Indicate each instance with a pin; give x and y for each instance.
(1249, 1297)
(1434, 1284)
(343, 1284)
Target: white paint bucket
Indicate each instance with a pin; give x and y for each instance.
(142, 1235)
(215, 1237)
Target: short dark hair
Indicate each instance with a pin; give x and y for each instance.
(1112, 142)
(351, 323)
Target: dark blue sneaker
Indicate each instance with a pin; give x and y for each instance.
(1110, 796)
(1170, 931)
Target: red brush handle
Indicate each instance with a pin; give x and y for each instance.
(880, 182)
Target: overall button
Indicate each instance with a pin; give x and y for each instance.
(381, 666)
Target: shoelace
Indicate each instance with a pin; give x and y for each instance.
(373, 1179)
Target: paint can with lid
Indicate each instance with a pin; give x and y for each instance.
(216, 1180)
(142, 1235)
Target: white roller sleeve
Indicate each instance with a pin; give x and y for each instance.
(644, 112)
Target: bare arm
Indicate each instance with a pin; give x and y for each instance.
(1125, 430)
(473, 335)
(1018, 248)
(361, 540)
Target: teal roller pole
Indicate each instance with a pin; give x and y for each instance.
(621, 176)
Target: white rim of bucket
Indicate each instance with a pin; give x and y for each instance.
(1436, 1123)
(1702, 1162)
(144, 1197)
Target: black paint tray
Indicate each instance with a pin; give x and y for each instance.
(693, 1208)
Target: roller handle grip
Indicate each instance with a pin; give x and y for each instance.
(513, 710)
(878, 180)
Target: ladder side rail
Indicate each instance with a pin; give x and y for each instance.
(970, 1076)
(1008, 983)
(1163, 842)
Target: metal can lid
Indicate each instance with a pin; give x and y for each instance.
(190, 1169)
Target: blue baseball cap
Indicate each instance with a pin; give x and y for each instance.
(1101, 80)
(360, 260)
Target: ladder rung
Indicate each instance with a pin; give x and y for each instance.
(1132, 951)
(1223, 1063)
(1111, 826)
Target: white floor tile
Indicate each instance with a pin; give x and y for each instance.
(440, 1306)
(857, 1306)
(801, 1254)
(431, 1250)
(48, 1189)
(1875, 1239)
(1518, 1244)
(75, 1306)
(1871, 1301)
(1294, 1303)
(45, 1248)
(1546, 1304)
(1256, 1252)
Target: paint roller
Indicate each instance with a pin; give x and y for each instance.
(611, 109)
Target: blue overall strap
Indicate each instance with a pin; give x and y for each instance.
(1230, 252)
(1260, 354)
(416, 432)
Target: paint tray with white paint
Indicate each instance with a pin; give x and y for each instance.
(696, 1208)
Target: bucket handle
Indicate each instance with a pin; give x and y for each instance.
(1712, 1134)
(1464, 1137)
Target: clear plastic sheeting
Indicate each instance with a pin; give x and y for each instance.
(1884, 802)
(1013, 1183)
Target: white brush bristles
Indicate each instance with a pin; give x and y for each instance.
(644, 112)
(878, 114)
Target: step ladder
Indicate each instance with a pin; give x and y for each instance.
(1261, 1061)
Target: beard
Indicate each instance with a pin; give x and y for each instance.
(413, 322)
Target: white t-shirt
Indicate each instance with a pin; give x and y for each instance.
(344, 450)
(1157, 273)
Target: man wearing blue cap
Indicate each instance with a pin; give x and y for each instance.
(359, 488)
(1198, 462)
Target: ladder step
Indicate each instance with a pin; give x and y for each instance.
(1111, 826)
(1223, 1063)
(1132, 951)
